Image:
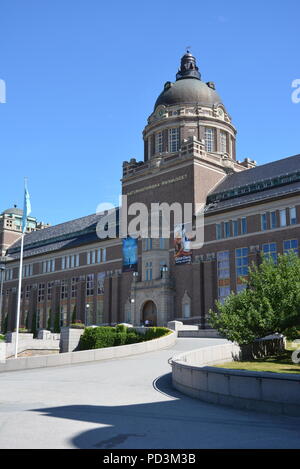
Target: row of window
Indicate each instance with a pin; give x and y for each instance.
(275, 219)
(242, 264)
(230, 228)
(174, 140)
(95, 256)
(269, 220)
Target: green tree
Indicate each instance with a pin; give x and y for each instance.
(73, 320)
(49, 321)
(33, 324)
(270, 303)
(57, 323)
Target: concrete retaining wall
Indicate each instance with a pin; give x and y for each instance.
(260, 391)
(27, 342)
(88, 355)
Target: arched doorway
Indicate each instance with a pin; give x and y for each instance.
(149, 313)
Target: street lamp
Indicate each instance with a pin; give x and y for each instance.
(86, 313)
(2, 270)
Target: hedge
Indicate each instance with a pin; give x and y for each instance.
(105, 336)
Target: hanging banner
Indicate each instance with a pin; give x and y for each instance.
(182, 245)
(130, 255)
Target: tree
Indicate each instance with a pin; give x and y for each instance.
(73, 320)
(57, 323)
(269, 304)
(33, 324)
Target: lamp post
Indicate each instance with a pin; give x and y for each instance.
(2, 270)
(86, 313)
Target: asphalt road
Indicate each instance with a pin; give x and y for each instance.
(127, 403)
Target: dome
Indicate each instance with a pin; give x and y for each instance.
(13, 211)
(188, 91)
(188, 88)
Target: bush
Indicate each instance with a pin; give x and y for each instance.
(77, 325)
(101, 337)
(2, 337)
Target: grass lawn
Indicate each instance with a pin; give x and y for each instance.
(276, 364)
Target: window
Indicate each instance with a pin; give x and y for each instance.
(223, 142)
(158, 142)
(219, 230)
(41, 292)
(209, 139)
(223, 267)
(290, 245)
(148, 266)
(227, 229)
(64, 290)
(293, 216)
(148, 244)
(270, 250)
(241, 267)
(100, 283)
(273, 220)
(74, 282)
(174, 139)
(48, 266)
(244, 225)
(264, 225)
(161, 243)
(100, 311)
(90, 285)
(27, 270)
(68, 262)
(27, 291)
(49, 290)
(95, 256)
(9, 274)
(235, 227)
(282, 214)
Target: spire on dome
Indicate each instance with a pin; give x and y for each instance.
(188, 67)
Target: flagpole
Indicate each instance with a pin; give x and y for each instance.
(19, 296)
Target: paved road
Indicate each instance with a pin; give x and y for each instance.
(121, 404)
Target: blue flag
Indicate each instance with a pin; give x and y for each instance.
(26, 209)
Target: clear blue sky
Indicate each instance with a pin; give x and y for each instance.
(82, 77)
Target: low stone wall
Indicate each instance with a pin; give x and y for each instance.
(27, 342)
(192, 331)
(88, 355)
(260, 391)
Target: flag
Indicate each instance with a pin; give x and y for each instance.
(26, 209)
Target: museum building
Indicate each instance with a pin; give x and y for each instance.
(189, 157)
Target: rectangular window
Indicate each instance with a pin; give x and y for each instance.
(98, 256)
(49, 290)
(41, 292)
(223, 267)
(74, 282)
(174, 139)
(223, 142)
(282, 214)
(227, 229)
(90, 285)
(209, 139)
(88, 257)
(290, 245)
(64, 290)
(270, 250)
(293, 216)
(235, 227)
(244, 225)
(264, 225)
(104, 255)
(241, 267)
(273, 220)
(161, 243)
(63, 263)
(219, 231)
(100, 283)
(159, 142)
(148, 270)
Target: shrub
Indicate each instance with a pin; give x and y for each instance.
(2, 337)
(100, 337)
(77, 325)
(56, 327)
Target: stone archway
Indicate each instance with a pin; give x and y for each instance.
(149, 313)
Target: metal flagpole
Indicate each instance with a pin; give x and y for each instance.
(26, 212)
(19, 296)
